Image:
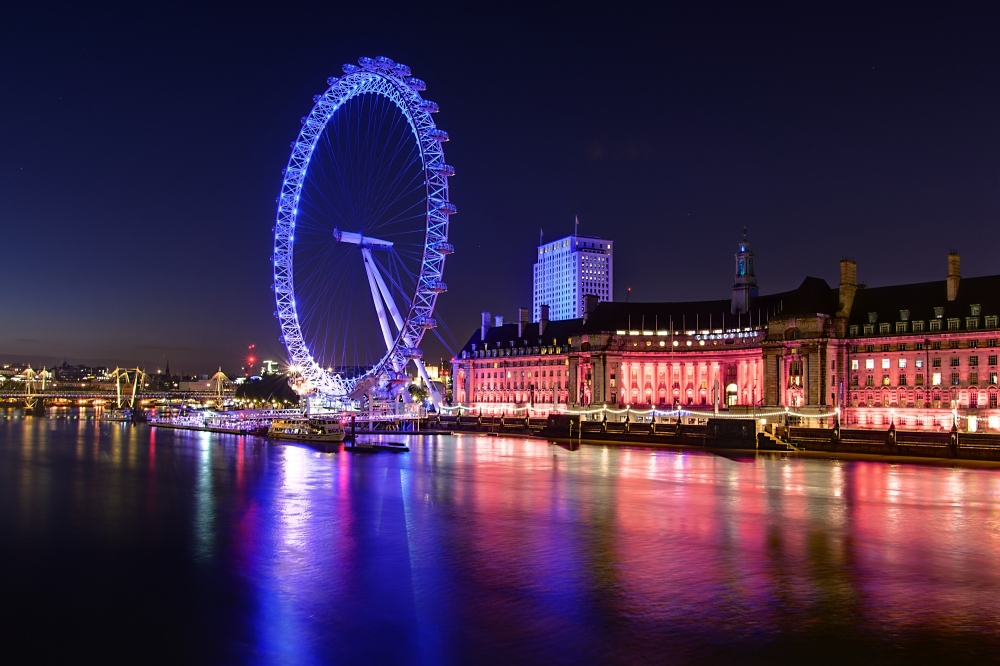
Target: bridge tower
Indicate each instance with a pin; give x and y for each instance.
(221, 383)
(128, 385)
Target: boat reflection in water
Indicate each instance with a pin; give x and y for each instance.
(474, 549)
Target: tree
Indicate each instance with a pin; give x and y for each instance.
(418, 393)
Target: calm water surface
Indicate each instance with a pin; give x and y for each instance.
(170, 546)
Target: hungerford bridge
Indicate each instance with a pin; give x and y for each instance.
(33, 389)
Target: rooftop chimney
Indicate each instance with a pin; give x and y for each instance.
(954, 273)
(522, 321)
(498, 321)
(848, 286)
(485, 326)
(543, 321)
(589, 305)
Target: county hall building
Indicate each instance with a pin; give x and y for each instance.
(920, 356)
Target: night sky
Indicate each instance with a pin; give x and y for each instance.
(141, 151)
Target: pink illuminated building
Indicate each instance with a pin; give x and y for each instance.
(920, 356)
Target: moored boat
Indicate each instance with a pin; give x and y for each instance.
(312, 429)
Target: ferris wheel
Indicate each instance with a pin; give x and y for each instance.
(362, 233)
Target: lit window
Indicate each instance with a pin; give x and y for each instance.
(869, 363)
(936, 379)
(854, 364)
(885, 363)
(902, 363)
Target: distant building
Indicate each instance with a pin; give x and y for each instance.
(568, 269)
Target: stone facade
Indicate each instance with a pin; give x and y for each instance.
(919, 355)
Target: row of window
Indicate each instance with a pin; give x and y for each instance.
(902, 363)
(936, 379)
(920, 346)
(992, 399)
(952, 324)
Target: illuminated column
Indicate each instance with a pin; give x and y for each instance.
(646, 369)
(739, 382)
(623, 381)
(758, 380)
(783, 381)
(717, 379)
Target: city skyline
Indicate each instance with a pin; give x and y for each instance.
(876, 141)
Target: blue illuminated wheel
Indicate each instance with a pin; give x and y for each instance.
(362, 233)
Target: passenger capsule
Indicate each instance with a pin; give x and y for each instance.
(445, 170)
(366, 63)
(416, 84)
(438, 135)
(333, 79)
(443, 247)
(429, 107)
(401, 70)
(437, 286)
(350, 69)
(385, 63)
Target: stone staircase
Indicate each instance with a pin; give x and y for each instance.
(768, 442)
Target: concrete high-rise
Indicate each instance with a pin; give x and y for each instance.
(568, 269)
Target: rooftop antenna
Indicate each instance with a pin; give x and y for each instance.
(541, 236)
(627, 294)
(576, 225)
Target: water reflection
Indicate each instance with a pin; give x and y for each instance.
(498, 549)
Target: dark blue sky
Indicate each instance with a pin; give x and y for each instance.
(141, 151)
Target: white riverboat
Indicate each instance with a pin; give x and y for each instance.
(308, 429)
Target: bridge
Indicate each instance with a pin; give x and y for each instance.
(33, 389)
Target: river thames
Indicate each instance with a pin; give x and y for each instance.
(154, 545)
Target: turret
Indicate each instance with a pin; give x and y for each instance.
(745, 281)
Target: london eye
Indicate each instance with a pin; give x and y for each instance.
(362, 234)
